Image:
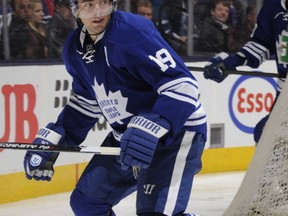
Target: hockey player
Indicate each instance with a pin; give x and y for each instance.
(123, 70)
(269, 38)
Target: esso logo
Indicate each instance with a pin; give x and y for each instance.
(250, 99)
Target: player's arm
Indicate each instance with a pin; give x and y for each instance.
(72, 126)
(78, 117)
(176, 103)
(159, 66)
(81, 112)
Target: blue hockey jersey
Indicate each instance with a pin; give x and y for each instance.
(270, 36)
(129, 70)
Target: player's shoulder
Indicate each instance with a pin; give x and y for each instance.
(127, 29)
(272, 9)
(71, 44)
(72, 38)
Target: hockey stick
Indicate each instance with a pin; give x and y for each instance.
(60, 148)
(239, 72)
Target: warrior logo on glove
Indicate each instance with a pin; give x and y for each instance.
(147, 126)
(35, 160)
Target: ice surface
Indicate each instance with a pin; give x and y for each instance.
(211, 195)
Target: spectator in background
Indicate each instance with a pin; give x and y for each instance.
(59, 28)
(213, 35)
(172, 24)
(133, 5)
(240, 34)
(36, 46)
(144, 8)
(200, 11)
(21, 10)
(157, 4)
(121, 5)
(237, 12)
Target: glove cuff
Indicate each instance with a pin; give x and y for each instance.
(234, 61)
(222, 55)
(148, 126)
(49, 136)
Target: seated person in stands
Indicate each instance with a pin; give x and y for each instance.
(59, 28)
(213, 35)
(239, 35)
(144, 8)
(21, 13)
(36, 45)
(172, 24)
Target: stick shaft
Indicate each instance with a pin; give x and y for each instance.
(239, 72)
(60, 148)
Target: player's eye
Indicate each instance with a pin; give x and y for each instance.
(88, 5)
(104, 2)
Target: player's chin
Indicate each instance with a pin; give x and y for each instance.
(97, 28)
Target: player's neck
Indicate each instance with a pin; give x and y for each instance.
(93, 37)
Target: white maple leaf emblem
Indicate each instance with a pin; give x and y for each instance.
(113, 105)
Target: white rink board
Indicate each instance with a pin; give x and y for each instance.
(32, 96)
(239, 102)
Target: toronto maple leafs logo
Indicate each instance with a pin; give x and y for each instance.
(113, 104)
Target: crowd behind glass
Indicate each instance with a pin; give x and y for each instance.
(35, 30)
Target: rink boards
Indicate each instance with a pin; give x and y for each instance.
(32, 96)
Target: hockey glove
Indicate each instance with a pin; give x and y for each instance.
(217, 66)
(39, 165)
(140, 140)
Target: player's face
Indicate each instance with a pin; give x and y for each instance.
(96, 25)
(93, 8)
(95, 14)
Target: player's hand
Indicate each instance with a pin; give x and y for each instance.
(140, 140)
(215, 69)
(39, 165)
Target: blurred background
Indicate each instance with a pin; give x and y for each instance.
(34, 31)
